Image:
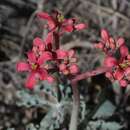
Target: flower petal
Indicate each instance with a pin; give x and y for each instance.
(43, 74)
(49, 38)
(104, 34)
(74, 69)
(39, 43)
(61, 54)
(127, 71)
(124, 51)
(31, 56)
(108, 74)
(68, 28)
(22, 66)
(45, 57)
(118, 74)
(128, 57)
(80, 26)
(120, 41)
(70, 21)
(51, 24)
(46, 16)
(31, 80)
(123, 83)
(99, 45)
(110, 61)
(62, 67)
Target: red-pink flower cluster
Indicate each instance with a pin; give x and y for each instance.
(46, 57)
(110, 45)
(56, 21)
(120, 67)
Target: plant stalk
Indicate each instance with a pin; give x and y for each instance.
(76, 97)
(75, 109)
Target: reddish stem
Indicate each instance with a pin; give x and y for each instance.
(91, 73)
(56, 39)
(76, 96)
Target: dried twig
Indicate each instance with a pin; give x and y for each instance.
(39, 8)
(77, 43)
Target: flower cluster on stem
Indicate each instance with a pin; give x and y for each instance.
(46, 57)
(117, 57)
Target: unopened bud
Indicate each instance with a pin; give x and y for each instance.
(104, 35)
(62, 67)
(74, 69)
(120, 41)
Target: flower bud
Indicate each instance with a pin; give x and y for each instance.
(99, 45)
(80, 26)
(124, 51)
(108, 75)
(120, 41)
(71, 53)
(62, 67)
(123, 83)
(61, 54)
(112, 43)
(74, 69)
(104, 35)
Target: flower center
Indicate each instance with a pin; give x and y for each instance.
(34, 66)
(60, 18)
(125, 64)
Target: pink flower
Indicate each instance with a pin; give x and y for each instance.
(57, 21)
(110, 45)
(35, 65)
(120, 68)
(39, 45)
(68, 64)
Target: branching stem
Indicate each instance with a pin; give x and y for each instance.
(76, 97)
